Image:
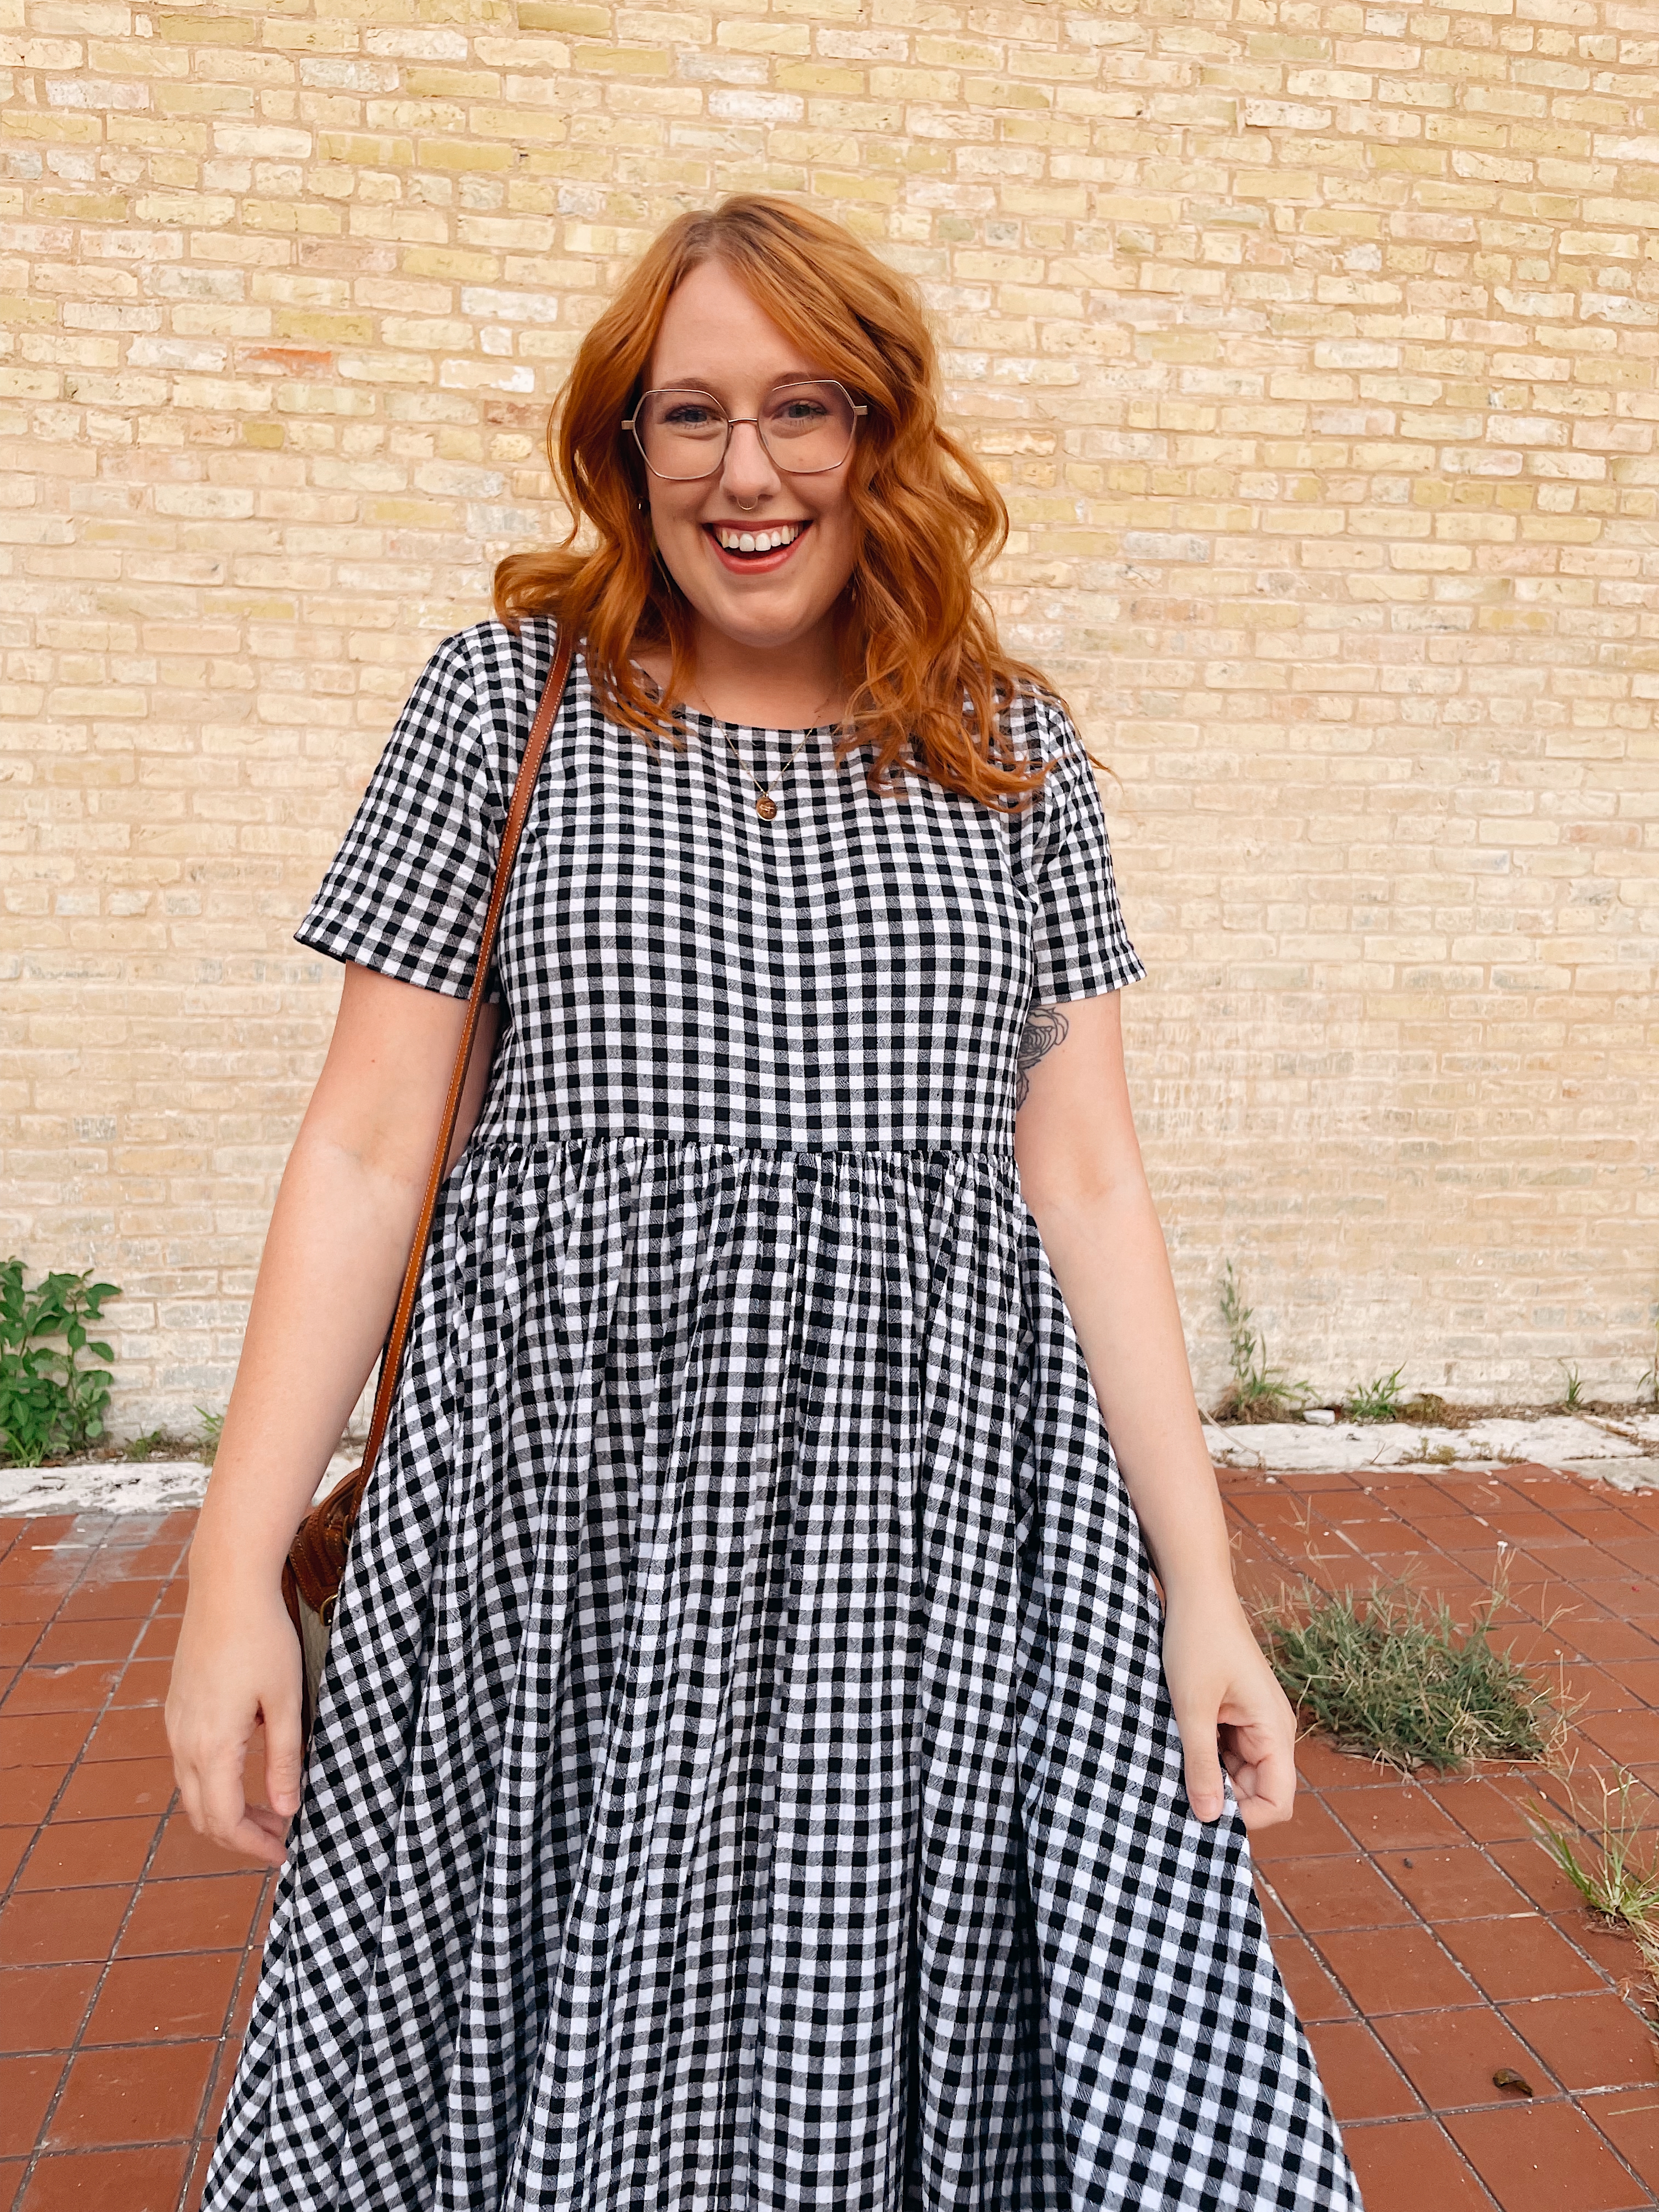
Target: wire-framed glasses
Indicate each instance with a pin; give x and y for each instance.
(807, 428)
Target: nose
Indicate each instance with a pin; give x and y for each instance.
(748, 475)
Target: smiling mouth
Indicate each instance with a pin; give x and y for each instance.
(749, 546)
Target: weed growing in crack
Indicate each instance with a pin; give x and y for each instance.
(1607, 1855)
(1375, 1401)
(170, 1443)
(1647, 1382)
(1257, 1392)
(1428, 1454)
(1389, 1673)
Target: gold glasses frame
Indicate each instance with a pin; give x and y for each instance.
(784, 384)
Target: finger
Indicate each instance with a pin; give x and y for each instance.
(190, 1795)
(1265, 1785)
(186, 1774)
(183, 1773)
(284, 1756)
(261, 1834)
(1201, 1764)
(252, 1839)
(224, 1804)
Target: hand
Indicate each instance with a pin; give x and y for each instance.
(237, 1667)
(1231, 1712)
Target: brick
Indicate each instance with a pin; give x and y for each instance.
(1331, 441)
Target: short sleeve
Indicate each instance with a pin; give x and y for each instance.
(407, 891)
(1081, 946)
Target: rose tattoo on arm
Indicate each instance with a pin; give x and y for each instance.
(1045, 1028)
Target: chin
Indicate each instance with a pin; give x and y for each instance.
(763, 637)
(746, 618)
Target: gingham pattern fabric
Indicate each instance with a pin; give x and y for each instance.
(743, 1780)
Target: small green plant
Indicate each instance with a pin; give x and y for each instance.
(208, 1442)
(1610, 1860)
(1434, 1454)
(1572, 1395)
(145, 1446)
(1389, 1673)
(1375, 1401)
(50, 1402)
(1257, 1392)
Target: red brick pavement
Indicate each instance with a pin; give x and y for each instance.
(1426, 1940)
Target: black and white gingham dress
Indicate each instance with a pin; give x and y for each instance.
(744, 1781)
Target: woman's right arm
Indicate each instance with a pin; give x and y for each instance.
(333, 1260)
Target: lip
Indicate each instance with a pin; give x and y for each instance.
(751, 564)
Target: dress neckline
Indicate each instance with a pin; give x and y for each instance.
(689, 713)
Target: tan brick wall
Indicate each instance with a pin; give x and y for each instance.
(1315, 346)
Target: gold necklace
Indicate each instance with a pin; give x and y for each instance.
(766, 806)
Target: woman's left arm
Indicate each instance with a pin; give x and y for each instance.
(1081, 1175)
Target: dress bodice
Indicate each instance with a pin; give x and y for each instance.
(853, 974)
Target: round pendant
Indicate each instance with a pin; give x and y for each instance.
(766, 806)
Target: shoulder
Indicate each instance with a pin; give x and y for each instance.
(1037, 720)
(474, 701)
(1045, 736)
(498, 666)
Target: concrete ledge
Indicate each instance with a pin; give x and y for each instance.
(1622, 1474)
(1625, 1452)
(116, 1485)
(1352, 1446)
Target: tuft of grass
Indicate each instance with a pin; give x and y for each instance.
(1257, 1391)
(1607, 1856)
(170, 1443)
(1389, 1673)
(1572, 1395)
(1375, 1401)
(1428, 1454)
(208, 1442)
(1432, 1411)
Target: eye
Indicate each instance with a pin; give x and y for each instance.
(798, 409)
(688, 415)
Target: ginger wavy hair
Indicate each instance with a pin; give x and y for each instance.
(927, 680)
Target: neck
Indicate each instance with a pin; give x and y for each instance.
(783, 687)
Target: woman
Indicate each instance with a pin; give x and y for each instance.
(744, 1776)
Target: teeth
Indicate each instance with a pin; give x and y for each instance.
(759, 541)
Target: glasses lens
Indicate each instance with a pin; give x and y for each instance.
(681, 434)
(807, 427)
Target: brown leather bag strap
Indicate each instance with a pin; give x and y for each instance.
(523, 792)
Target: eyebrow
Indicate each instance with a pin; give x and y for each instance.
(710, 391)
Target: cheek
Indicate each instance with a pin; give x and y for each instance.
(840, 542)
(668, 514)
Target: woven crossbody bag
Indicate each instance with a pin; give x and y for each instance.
(315, 1565)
